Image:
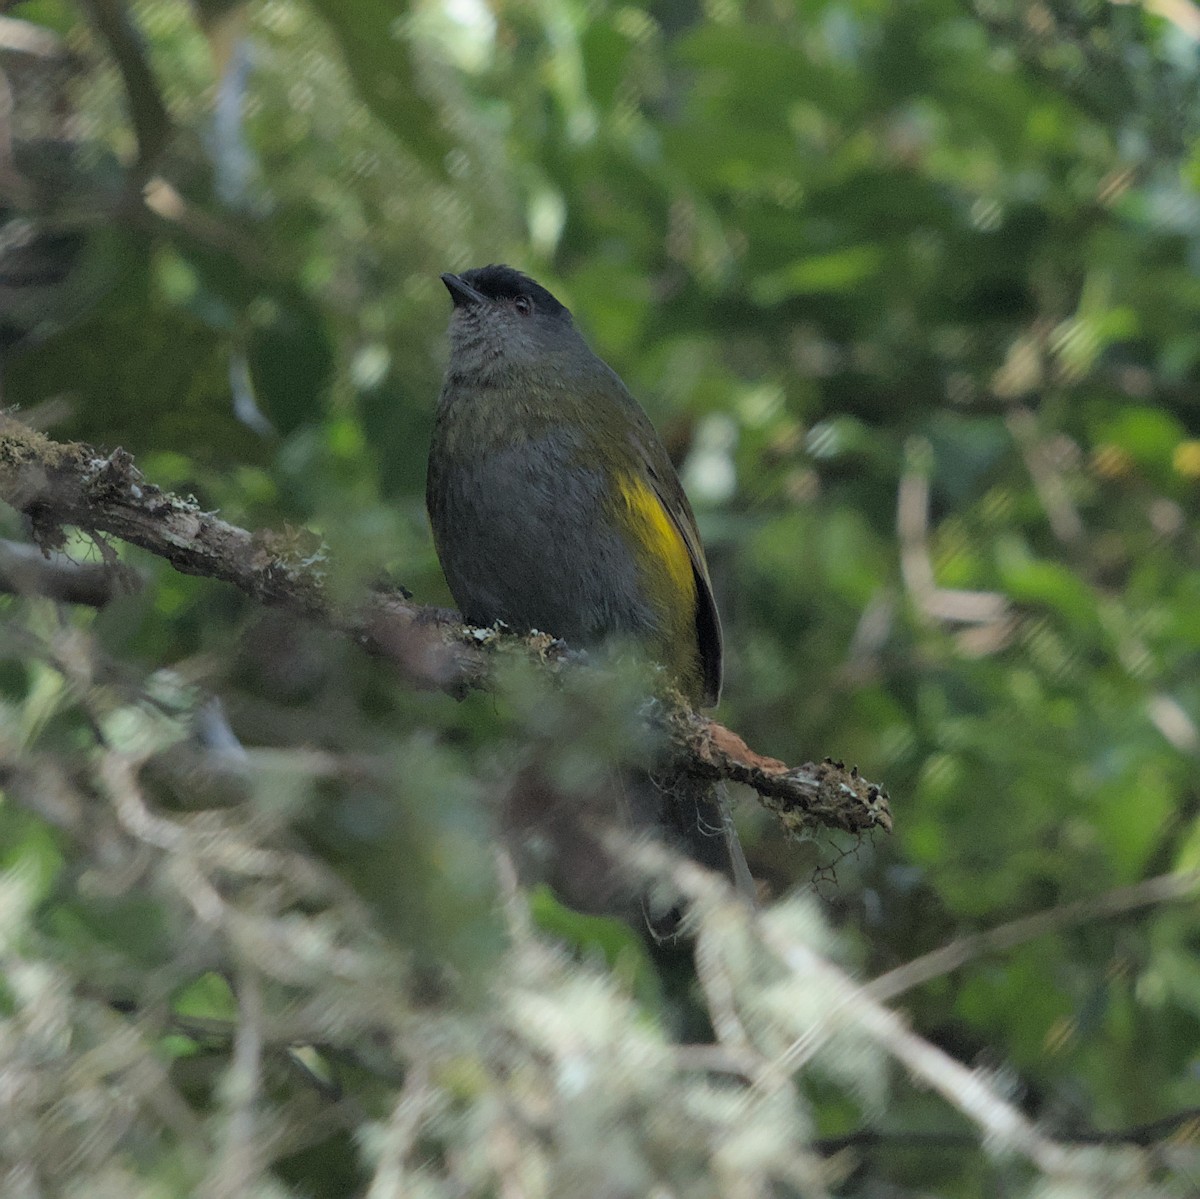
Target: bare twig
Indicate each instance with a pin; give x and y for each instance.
(241, 1159)
(1048, 482)
(1186, 1122)
(712, 973)
(24, 37)
(1166, 888)
(27, 570)
(164, 203)
(955, 606)
(417, 1097)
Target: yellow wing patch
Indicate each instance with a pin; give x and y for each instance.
(652, 527)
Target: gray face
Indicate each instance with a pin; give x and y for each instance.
(492, 335)
(505, 323)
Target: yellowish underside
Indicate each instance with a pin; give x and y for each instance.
(656, 531)
(666, 570)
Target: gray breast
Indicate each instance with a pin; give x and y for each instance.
(524, 537)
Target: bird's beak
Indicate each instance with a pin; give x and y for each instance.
(463, 294)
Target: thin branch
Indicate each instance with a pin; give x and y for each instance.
(1166, 888)
(28, 570)
(1065, 522)
(718, 1059)
(720, 998)
(919, 1141)
(966, 1089)
(240, 1160)
(164, 203)
(417, 1098)
(1144, 1135)
(856, 1006)
(24, 37)
(1186, 1123)
(70, 484)
(952, 605)
(826, 793)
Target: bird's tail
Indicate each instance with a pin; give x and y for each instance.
(692, 816)
(556, 838)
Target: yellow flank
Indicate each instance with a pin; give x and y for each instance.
(654, 529)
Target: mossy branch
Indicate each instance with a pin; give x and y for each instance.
(59, 484)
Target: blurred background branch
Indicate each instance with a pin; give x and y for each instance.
(28, 570)
(147, 112)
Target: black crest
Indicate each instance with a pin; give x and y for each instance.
(503, 283)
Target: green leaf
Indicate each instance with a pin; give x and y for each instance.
(291, 360)
(1148, 435)
(208, 998)
(614, 940)
(380, 61)
(837, 271)
(1029, 580)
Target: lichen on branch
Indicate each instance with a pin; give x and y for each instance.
(58, 484)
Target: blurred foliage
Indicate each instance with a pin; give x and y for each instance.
(912, 291)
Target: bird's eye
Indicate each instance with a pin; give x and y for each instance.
(524, 305)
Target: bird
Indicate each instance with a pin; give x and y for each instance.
(555, 506)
